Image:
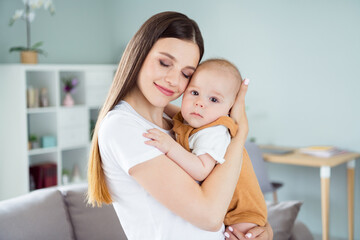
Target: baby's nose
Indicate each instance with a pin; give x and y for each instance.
(199, 104)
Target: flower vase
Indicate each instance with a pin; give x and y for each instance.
(68, 100)
(28, 57)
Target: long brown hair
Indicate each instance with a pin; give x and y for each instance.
(161, 25)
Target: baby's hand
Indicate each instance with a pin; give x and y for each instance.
(160, 140)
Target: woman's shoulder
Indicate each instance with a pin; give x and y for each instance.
(119, 120)
(122, 113)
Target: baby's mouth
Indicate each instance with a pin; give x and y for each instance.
(196, 115)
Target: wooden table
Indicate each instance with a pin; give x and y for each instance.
(325, 165)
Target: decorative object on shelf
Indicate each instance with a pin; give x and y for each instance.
(44, 97)
(65, 176)
(69, 87)
(68, 100)
(33, 141)
(76, 177)
(32, 97)
(29, 53)
(48, 141)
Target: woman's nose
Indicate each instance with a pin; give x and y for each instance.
(172, 78)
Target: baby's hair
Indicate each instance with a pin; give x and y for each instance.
(220, 62)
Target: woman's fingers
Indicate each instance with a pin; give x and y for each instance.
(233, 234)
(243, 90)
(238, 109)
(260, 233)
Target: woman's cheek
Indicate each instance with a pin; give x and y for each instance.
(184, 85)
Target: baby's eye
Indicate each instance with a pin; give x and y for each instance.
(214, 99)
(193, 92)
(162, 63)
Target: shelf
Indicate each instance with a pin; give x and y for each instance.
(38, 151)
(66, 130)
(73, 107)
(41, 110)
(75, 147)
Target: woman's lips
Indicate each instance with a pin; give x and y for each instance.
(165, 91)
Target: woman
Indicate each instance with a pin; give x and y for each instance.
(152, 196)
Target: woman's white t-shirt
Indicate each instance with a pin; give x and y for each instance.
(122, 146)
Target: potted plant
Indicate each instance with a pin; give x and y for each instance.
(29, 53)
(65, 176)
(33, 141)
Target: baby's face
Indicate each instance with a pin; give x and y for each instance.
(209, 95)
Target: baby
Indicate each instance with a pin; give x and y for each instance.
(203, 131)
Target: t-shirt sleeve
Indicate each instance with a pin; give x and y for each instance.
(121, 140)
(213, 141)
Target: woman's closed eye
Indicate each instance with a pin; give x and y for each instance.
(186, 76)
(164, 64)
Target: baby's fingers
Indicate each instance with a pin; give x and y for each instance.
(154, 131)
(152, 136)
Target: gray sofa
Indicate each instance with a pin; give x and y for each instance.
(61, 213)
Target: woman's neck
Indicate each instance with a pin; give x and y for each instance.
(143, 107)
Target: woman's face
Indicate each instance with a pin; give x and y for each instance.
(167, 69)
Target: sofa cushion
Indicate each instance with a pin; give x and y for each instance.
(300, 232)
(39, 215)
(281, 217)
(88, 222)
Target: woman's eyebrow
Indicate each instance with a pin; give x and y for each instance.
(168, 55)
(174, 59)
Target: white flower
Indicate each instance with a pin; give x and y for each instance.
(47, 4)
(18, 14)
(31, 16)
(34, 4)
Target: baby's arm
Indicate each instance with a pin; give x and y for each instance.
(198, 167)
(171, 110)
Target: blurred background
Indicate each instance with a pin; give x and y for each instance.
(302, 58)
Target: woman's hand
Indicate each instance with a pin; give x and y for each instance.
(256, 233)
(238, 113)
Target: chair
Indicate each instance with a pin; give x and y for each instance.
(261, 171)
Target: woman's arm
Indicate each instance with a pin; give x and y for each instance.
(204, 206)
(171, 110)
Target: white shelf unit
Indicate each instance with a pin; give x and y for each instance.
(70, 126)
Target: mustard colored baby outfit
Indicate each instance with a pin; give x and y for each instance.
(247, 204)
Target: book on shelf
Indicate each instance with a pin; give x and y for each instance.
(44, 175)
(322, 151)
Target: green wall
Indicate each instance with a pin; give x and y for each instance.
(302, 58)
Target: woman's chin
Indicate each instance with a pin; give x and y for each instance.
(160, 103)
